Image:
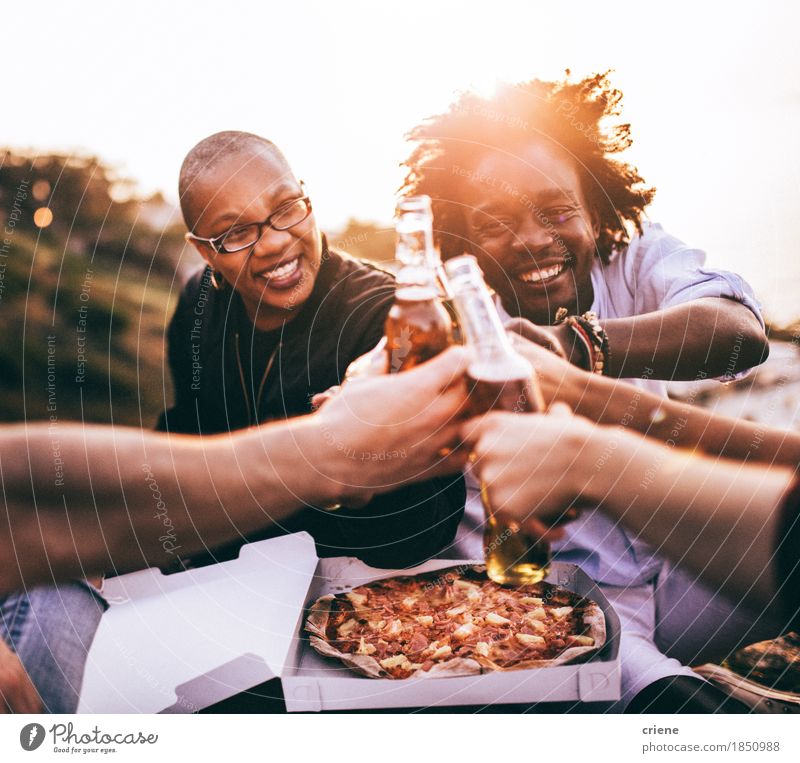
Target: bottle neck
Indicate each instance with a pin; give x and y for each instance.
(480, 324)
(421, 263)
(417, 277)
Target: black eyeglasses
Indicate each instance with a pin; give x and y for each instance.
(244, 236)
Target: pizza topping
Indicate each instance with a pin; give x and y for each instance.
(395, 628)
(398, 661)
(410, 624)
(442, 651)
(536, 625)
(358, 600)
(482, 649)
(464, 631)
(527, 639)
(536, 614)
(494, 619)
(470, 590)
(418, 643)
(346, 628)
(365, 648)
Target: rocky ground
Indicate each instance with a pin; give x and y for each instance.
(769, 395)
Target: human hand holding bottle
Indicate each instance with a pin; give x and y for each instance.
(534, 466)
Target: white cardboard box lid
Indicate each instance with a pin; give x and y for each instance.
(180, 642)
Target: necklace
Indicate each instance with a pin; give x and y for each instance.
(257, 406)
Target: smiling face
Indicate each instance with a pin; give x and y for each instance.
(533, 232)
(275, 276)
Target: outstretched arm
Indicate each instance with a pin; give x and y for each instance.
(704, 338)
(719, 518)
(712, 336)
(126, 498)
(609, 401)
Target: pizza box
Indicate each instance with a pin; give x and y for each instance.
(178, 643)
(313, 683)
(181, 642)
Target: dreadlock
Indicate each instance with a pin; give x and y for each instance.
(575, 117)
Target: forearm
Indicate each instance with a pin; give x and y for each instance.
(86, 499)
(616, 403)
(124, 498)
(705, 338)
(716, 517)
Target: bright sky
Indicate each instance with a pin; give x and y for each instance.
(711, 91)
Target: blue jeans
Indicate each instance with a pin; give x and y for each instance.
(51, 629)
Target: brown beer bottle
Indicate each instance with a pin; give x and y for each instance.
(418, 326)
(499, 379)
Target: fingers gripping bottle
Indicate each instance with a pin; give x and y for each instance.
(500, 379)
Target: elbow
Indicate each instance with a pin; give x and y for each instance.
(749, 348)
(755, 348)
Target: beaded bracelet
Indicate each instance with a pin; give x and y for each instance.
(591, 336)
(584, 340)
(599, 339)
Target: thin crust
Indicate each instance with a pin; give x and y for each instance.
(318, 621)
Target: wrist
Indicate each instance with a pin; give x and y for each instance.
(582, 441)
(613, 461)
(574, 388)
(574, 350)
(327, 477)
(293, 459)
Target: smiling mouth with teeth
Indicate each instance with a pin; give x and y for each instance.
(542, 275)
(283, 271)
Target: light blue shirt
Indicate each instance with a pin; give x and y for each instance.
(653, 272)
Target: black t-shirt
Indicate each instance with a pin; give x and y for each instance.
(256, 352)
(341, 320)
(215, 391)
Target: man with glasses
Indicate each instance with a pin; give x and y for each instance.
(276, 317)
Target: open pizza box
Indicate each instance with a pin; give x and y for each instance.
(178, 643)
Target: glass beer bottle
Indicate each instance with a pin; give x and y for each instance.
(499, 379)
(418, 326)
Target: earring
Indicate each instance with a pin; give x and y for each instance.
(216, 280)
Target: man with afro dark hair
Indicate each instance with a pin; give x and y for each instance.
(530, 182)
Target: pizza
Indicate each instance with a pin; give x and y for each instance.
(453, 622)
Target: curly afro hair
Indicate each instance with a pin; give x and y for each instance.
(575, 117)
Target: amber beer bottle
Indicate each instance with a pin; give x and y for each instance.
(418, 326)
(500, 379)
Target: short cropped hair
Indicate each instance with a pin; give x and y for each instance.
(209, 151)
